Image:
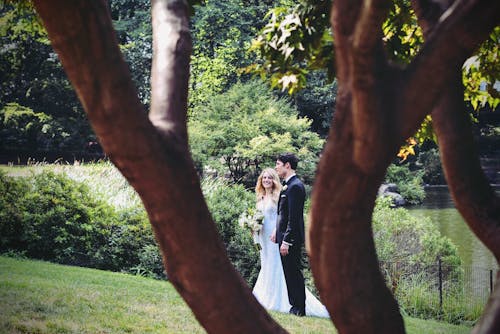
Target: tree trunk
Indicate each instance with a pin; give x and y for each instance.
(342, 248)
(378, 106)
(474, 198)
(153, 155)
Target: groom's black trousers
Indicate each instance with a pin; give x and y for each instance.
(292, 267)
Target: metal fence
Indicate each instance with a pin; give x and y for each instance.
(456, 294)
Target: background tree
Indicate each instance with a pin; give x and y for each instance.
(240, 132)
(369, 126)
(222, 32)
(33, 82)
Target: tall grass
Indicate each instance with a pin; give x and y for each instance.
(418, 296)
(103, 178)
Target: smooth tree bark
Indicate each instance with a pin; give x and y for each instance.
(474, 198)
(378, 106)
(152, 153)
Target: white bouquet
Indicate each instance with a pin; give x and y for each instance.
(252, 220)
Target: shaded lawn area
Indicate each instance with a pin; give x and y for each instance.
(41, 297)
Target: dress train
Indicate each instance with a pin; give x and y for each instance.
(270, 288)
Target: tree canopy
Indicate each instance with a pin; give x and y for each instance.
(242, 131)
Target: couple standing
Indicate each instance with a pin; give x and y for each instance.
(280, 284)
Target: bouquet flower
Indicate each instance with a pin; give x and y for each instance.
(252, 220)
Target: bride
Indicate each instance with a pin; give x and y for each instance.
(270, 288)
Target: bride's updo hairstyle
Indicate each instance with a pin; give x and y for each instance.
(260, 191)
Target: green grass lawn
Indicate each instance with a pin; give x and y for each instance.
(40, 297)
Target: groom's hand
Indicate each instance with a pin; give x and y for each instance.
(284, 249)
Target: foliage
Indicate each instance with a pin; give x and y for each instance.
(409, 182)
(58, 213)
(402, 237)
(481, 73)
(243, 130)
(317, 101)
(22, 127)
(298, 39)
(33, 81)
(221, 33)
(430, 164)
(58, 219)
(409, 249)
(11, 217)
(418, 296)
(226, 202)
(293, 40)
(132, 22)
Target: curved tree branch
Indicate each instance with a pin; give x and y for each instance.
(342, 250)
(343, 17)
(369, 69)
(155, 160)
(453, 38)
(474, 198)
(171, 53)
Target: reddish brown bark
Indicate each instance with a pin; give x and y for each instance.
(378, 106)
(473, 196)
(153, 155)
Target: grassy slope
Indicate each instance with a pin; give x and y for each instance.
(40, 297)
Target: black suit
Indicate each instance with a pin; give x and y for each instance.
(290, 229)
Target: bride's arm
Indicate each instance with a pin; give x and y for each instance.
(273, 236)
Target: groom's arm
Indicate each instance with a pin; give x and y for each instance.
(295, 198)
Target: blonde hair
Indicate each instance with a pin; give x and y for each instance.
(260, 191)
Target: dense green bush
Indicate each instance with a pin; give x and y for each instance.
(226, 202)
(243, 130)
(52, 217)
(402, 237)
(11, 214)
(412, 256)
(62, 222)
(409, 183)
(430, 164)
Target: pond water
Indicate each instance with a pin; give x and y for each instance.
(439, 207)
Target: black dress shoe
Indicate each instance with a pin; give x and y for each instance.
(297, 311)
(300, 312)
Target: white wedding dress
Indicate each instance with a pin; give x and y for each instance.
(270, 288)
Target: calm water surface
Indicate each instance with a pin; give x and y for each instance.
(439, 207)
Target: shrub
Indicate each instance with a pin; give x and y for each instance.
(11, 213)
(409, 183)
(52, 217)
(402, 237)
(409, 249)
(226, 202)
(243, 130)
(430, 162)
(61, 220)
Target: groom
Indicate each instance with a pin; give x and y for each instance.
(290, 231)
